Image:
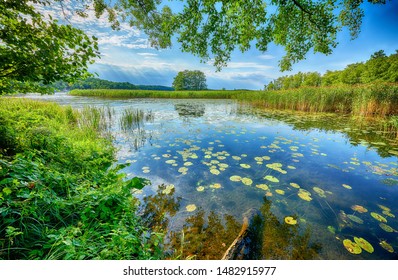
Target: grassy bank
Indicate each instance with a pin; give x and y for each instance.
(60, 195)
(365, 100)
(118, 93)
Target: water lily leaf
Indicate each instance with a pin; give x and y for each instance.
(214, 171)
(386, 246)
(384, 208)
(389, 214)
(170, 161)
(294, 185)
(332, 229)
(378, 217)
(352, 247)
(168, 189)
(200, 189)
(188, 163)
(319, 191)
(244, 165)
(190, 207)
(364, 244)
(304, 195)
(235, 178)
(359, 208)
(215, 186)
(355, 219)
(236, 158)
(262, 186)
(290, 220)
(347, 186)
(281, 192)
(247, 181)
(386, 228)
(271, 178)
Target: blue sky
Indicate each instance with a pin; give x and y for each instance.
(128, 57)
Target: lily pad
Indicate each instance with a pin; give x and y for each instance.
(262, 186)
(352, 247)
(305, 195)
(214, 171)
(215, 186)
(290, 220)
(355, 219)
(236, 158)
(332, 229)
(386, 246)
(244, 165)
(295, 185)
(319, 191)
(281, 192)
(389, 214)
(190, 207)
(359, 208)
(378, 217)
(235, 178)
(347, 186)
(247, 181)
(200, 189)
(364, 244)
(271, 178)
(386, 227)
(168, 189)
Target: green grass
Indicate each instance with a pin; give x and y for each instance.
(61, 194)
(365, 100)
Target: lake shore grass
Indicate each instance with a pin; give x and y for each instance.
(378, 100)
(61, 193)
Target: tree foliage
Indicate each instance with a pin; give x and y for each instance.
(36, 50)
(190, 80)
(379, 68)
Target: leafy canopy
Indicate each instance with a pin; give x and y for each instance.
(35, 48)
(190, 80)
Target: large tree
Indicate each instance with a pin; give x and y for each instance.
(35, 48)
(190, 80)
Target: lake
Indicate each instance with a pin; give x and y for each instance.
(326, 181)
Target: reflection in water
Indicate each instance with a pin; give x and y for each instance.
(208, 235)
(190, 109)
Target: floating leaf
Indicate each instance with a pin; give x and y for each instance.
(191, 207)
(319, 191)
(244, 165)
(263, 187)
(386, 228)
(281, 192)
(378, 217)
(290, 220)
(359, 208)
(355, 219)
(277, 167)
(215, 186)
(305, 195)
(291, 167)
(188, 163)
(386, 246)
(352, 247)
(182, 169)
(365, 245)
(271, 178)
(347, 186)
(170, 161)
(235, 178)
(168, 189)
(384, 208)
(200, 189)
(266, 158)
(332, 229)
(389, 214)
(214, 171)
(247, 181)
(236, 158)
(294, 185)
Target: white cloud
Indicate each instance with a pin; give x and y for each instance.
(266, 56)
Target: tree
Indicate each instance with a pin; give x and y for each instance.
(190, 80)
(36, 51)
(35, 48)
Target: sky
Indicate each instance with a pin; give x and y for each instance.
(126, 55)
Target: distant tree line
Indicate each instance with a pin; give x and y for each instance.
(95, 83)
(379, 68)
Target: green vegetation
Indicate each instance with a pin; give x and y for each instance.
(95, 83)
(216, 94)
(380, 68)
(190, 80)
(61, 195)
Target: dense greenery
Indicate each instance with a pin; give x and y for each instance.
(211, 94)
(190, 80)
(379, 68)
(95, 83)
(36, 50)
(61, 196)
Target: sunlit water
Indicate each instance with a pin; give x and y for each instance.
(329, 178)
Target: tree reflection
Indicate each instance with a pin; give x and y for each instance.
(190, 109)
(207, 236)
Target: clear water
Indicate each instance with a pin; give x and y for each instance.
(348, 173)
